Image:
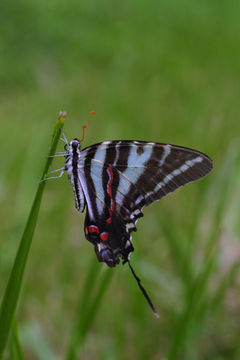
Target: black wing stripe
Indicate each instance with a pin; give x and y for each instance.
(122, 156)
(91, 191)
(109, 178)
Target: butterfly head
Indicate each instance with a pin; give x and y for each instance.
(73, 147)
(75, 144)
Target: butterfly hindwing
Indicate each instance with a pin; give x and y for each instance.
(104, 225)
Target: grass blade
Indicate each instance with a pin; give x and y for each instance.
(88, 288)
(87, 314)
(12, 291)
(89, 283)
(15, 347)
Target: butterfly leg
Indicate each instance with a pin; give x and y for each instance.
(64, 139)
(53, 171)
(57, 155)
(54, 177)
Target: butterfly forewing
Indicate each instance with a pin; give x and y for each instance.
(144, 172)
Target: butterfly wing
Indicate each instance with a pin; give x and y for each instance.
(119, 178)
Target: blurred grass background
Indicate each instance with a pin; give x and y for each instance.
(166, 72)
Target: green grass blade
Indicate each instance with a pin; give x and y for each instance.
(88, 288)
(94, 306)
(176, 240)
(15, 347)
(87, 315)
(12, 291)
(89, 283)
(228, 280)
(187, 318)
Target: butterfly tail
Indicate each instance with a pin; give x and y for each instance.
(144, 291)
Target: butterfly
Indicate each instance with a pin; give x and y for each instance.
(114, 180)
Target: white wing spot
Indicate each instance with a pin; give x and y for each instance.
(176, 172)
(105, 143)
(130, 226)
(136, 212)
(128, 244)
(168, 178)
(166, 152)
(117, 155)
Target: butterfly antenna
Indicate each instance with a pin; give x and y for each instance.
(85, 127)
(144, 291)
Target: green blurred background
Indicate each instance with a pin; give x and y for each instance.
(159, 71)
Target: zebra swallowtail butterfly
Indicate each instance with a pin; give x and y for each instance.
(115, 179)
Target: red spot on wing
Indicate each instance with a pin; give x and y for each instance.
(109, 190)
(93, 229)
(109, 185)
(86, 230)
(104, 236)
(109, 220)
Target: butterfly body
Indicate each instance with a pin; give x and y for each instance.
(72, 166)
(114, 180)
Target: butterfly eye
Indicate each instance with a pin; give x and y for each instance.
(75, 143)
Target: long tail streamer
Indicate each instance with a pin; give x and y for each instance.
(144, 291)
